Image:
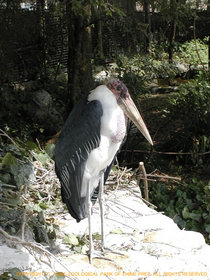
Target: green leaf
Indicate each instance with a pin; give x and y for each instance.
(5, 276)
(185, 213)
(57, 276)
(116, 231)
(5, 178)
(194, 180)
(71, 239)
(42, 157)
(32, 146)
(49, 148)
(10, 161)
(195, 216)
(207, 228)
(43, 205)
(17, 274)
(78, 249)
(96, 236)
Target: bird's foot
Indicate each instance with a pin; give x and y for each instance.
(106, 249)
(98, 255)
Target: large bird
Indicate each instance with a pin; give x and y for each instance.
(87, 145)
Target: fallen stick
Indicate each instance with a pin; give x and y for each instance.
(146, 192)
(164, 177)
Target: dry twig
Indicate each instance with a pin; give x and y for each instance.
(3, 133)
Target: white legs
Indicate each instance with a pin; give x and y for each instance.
(89, 224)
(89, 205)
(92, 253)
(101, 204)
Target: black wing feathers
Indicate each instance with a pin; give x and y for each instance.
(79, 136)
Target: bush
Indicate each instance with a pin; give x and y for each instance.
(187, 51)
(187, 203)
(140, 71)
(191, 110)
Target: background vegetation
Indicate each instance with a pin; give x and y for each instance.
(52, 52)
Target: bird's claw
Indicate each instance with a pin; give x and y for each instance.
(98, 255)
(107, 249)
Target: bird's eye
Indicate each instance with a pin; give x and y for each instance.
(119, 89)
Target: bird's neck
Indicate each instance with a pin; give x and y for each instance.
(103, 95)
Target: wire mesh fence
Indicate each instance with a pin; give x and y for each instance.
(34, 42)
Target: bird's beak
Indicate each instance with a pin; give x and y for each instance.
(133, 114)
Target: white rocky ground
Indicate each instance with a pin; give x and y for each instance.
(151, 246)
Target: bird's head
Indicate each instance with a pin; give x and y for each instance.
(126, 103)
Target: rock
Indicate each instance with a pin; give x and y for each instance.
(146, 245)
(14, 257)
(168, 89)
(181, 67)
(183, 240)
(193, 71)
(42, 111)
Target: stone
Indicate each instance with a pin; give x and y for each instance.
(42, 110)
(145, 244)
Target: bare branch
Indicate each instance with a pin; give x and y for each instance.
(3, 133)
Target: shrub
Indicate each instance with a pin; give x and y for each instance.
(187, 203)
(191, 110)
(187, 51)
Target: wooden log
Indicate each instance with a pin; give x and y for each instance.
(143, 170)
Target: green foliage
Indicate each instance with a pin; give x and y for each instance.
(81, 8)
(13, 274)
(58, 276)
(17, 172)
(187, 51)
(10, 161)
(140, 71)
(191, 109)
(76, 243)
(187, 203)
(13, 171)
(49, 148)
(15, 161)
(16, 274)
(131, 72)
(116, 231)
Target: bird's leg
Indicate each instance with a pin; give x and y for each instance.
(92, 253)
(101, 204)
(89, 224)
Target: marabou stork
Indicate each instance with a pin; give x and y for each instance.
(87, 146)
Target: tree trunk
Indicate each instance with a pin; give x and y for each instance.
(171, 41)
(130, 6)
(208, 23)
(173, 24)
(209, 55)
(99, 29)
(40, 5)
(147, 21)
(79, 55)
